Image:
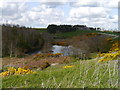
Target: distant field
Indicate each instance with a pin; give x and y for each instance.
(77, 32)
(83, 74)
(41, 29)
(81, 32)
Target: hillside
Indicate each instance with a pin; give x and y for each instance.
(82, 74)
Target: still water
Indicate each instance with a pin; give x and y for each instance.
(65, 50)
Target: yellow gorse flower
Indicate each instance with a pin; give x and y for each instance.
(68, 66)
(4, 73)
(13, 71)
(113, 54)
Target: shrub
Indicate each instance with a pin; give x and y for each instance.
(113, 54)
(14, 71)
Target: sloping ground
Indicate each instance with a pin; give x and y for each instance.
(76, 33)
(81, 74)
(82, 32)
(34, 63)
(112, 35)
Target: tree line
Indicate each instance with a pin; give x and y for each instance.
(19, 40)
(60, 28)
(68, 28)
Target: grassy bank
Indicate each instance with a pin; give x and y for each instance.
(82, 32)
(83, 74)
(75, 33)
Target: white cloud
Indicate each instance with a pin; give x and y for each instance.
(92, 12)
(85, 3)
(93, 16)
(114, 18)
(8, 8)
(89, 12)
(41, 16)
(113, 3)
(95, 3)
(53, 3)
(12, 10)
(18, 13)
(45, 15)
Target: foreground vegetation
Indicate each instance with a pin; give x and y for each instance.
(81, 74)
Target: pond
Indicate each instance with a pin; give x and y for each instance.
(65, 50)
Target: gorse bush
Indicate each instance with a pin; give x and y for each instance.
(113, 54)
(14, 71)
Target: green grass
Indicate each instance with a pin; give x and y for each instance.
(76, 33)
(114, 33)
(81, 32)
(84, 74)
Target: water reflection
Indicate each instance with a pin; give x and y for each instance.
(66, 50)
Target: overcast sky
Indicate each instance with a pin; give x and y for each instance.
(41, 13)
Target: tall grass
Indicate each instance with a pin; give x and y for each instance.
(84, 74)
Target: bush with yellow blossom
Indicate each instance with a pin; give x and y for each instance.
(14, 71)
(68, 66)
(113, 54)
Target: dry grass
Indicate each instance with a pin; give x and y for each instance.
(34, 63)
